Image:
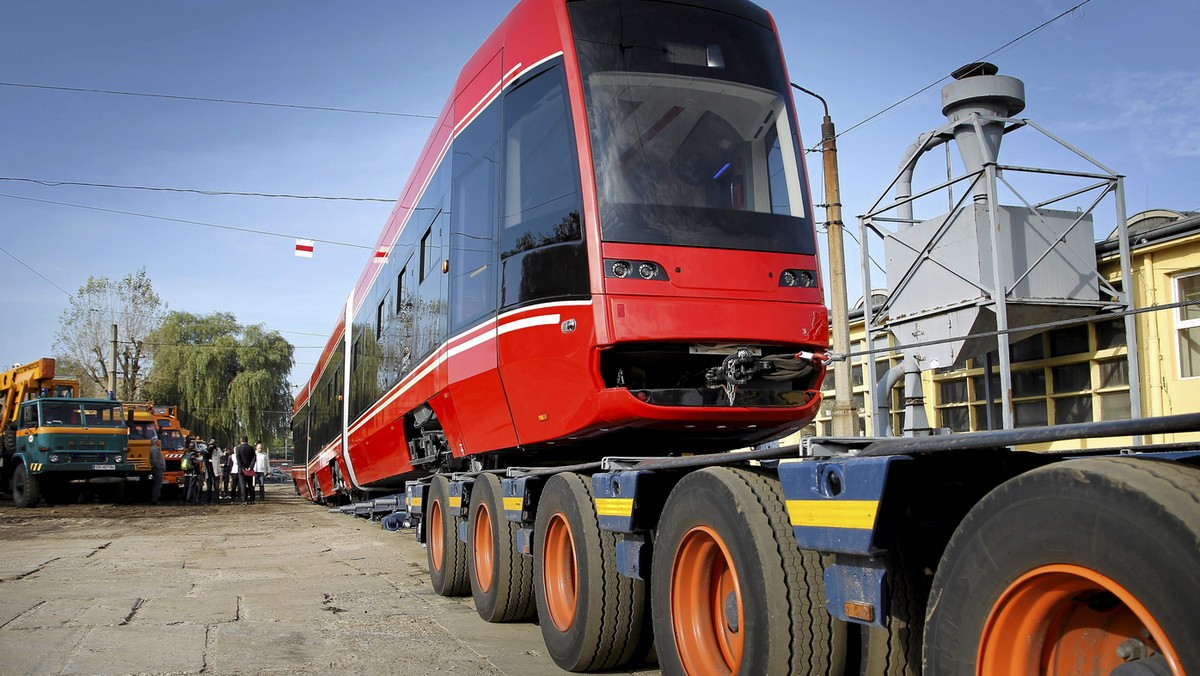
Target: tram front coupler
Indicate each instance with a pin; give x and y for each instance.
(745, 364)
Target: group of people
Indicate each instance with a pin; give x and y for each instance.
(213, 474)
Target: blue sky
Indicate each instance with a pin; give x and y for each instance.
(1117, 79)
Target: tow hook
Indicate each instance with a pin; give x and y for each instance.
(737, 369)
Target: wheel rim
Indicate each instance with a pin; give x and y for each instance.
(1066, 619)
(706, 605)
(559, 574)
(435, 534)
(484, 549)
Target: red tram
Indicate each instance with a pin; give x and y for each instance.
(606, 248)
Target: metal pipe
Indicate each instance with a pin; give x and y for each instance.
(1000, 298)
(1154, 365)
(916, 422)
(904, 181)
(1128, 287)
(1185, 422)
(883, 396)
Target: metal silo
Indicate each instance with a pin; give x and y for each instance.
(965, 281)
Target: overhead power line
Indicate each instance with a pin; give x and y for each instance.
(197, 191)
(189, 222)
(159, 317)
(241, 102)
(942, 79)
(48, 280)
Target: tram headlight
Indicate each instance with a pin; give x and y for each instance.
(622, 268)
(806, 279)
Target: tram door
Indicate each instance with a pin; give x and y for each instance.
(476, 395)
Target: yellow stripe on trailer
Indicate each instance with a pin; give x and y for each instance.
(833, 513)
(416, 502)
(514, 504)
(614, 506)
(455, 501)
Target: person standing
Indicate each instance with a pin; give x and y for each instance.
(262, 465)
(158, 465)
(227, 472)
(235, 473)
(195, 474)
(188, 465)
(245, 461)
(214, 472)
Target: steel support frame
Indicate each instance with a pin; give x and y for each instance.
(874, 320)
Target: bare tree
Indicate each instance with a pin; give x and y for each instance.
(85, 330)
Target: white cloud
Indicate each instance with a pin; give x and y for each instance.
(1160, 111)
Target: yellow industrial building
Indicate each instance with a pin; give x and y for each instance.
(1076, 373)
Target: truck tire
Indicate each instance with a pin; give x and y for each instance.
(1061, 566)
(447, 555)
(8, 444)
(26, 487)
(501, 577)
(731, 592)
(895, 649)
(590, 615)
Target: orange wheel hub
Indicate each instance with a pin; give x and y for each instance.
(706, 605)
(1067, 619)
(435, 534)
(560, 574)
(483, 550)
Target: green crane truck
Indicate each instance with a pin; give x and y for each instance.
(54, 447)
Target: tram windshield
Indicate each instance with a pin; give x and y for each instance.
(692, 136)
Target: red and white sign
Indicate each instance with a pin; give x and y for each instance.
(304, 248)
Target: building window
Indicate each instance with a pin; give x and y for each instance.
(1070, 381)
(1188, 325)
(1110, 334)
(1073, 409)
(878, 363)
(1026, 350)
(1071, 340)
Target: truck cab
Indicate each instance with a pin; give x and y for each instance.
(174, 443)
(59, 445)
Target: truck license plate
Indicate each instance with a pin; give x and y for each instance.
(104, 466)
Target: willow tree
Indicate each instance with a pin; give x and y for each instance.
(84, 338)
(226, 379)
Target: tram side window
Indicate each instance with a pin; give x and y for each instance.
(382, 316)
(400, 293)
(541, 240)
(780, 200)
(428, 254)
(473, 220)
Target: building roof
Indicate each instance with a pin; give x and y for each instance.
(1152, 227)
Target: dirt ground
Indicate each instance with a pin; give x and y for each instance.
(281, 587)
